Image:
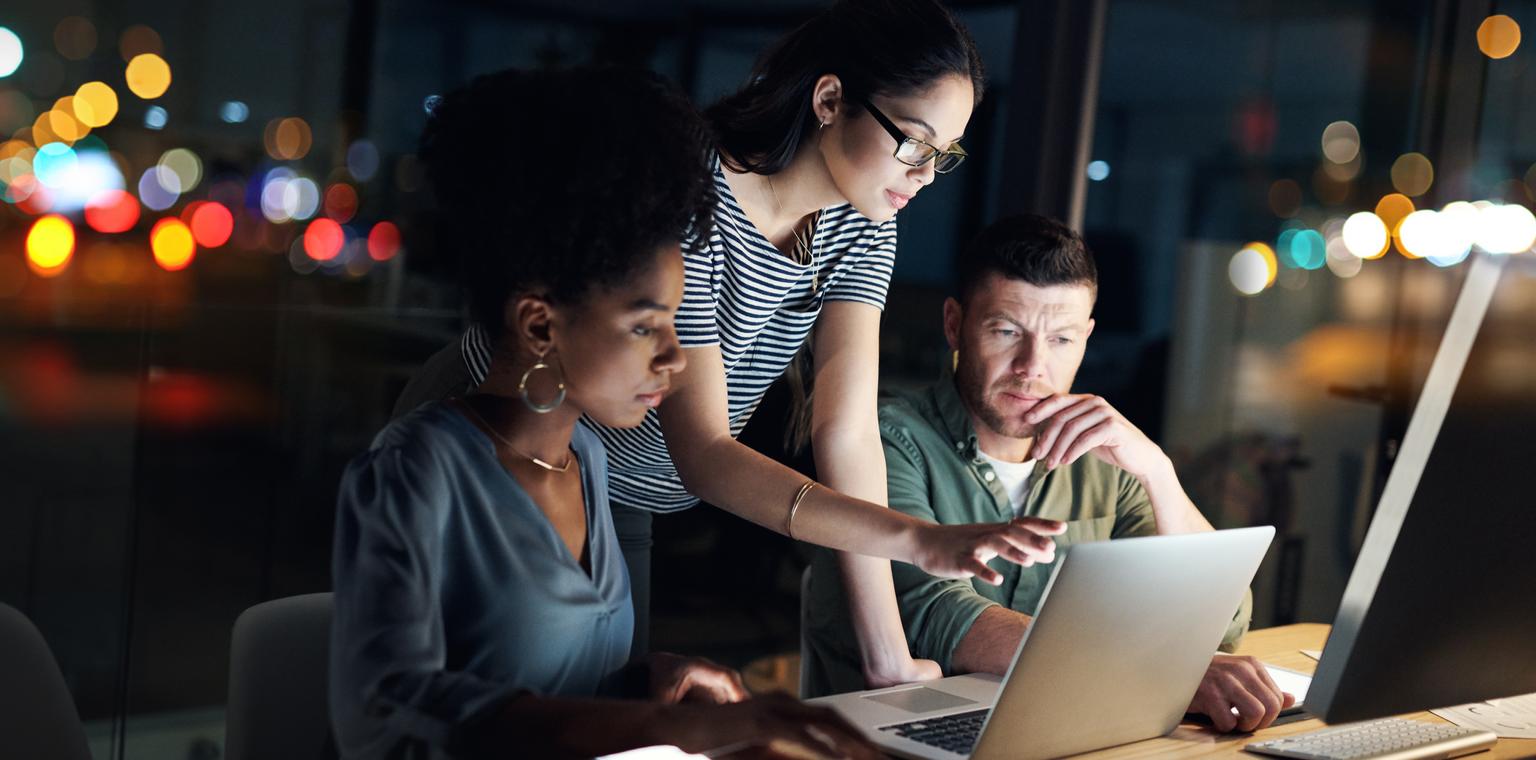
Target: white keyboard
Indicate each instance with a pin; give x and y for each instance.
(1387, 739)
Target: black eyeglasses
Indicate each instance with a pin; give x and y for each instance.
(914, 152)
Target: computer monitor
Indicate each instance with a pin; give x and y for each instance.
(1441, 606)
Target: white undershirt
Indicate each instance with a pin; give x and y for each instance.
(1014, 477)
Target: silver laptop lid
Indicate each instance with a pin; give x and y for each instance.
(1121, 641)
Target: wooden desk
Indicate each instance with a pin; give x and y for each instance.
(1276, 646)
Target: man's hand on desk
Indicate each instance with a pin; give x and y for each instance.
(1241, 684)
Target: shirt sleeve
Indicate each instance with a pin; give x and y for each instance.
(1133, 511)
(863, 274)
(937, 612)
(390, 685)
(698, 317)
(1134, 517)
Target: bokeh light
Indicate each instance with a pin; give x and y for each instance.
(16, 111)
(1098, 171)
(1306, 249)
(172, 244)
(155, 117)
(62, 121)
(149, 76)
(1284, 198)
(137, 40)
(10, 52)
(287, 139)
(274, 195)
(50, 244)
(1419, 234)
(42, 129)
(54, 162)
(1498, 36)
(75, 37)
(1340, 261)
(1252, 269)
(1344, 172)
(341, 202)
(1506, 229)
(74, 183)
(301, 198)
(112, 211)
(363, 160)
(33, 197)
(234, 112)
(212, 224)
(323, 239)
(1393, 208)
(95, 104)
(1459, 222)
(1412, 174)
(154, 189)
(181, 169)
(383, 241)
(1341, 142)
(1365, 235)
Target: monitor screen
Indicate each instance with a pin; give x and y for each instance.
(1440, 608)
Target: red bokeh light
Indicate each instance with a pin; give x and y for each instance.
(323, 239)
(384, 241)
(211, 224)
(340, 202)
(111, 211)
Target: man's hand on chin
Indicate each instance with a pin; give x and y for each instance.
(1237, 694)
(1067, 426)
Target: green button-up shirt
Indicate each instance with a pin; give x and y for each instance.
(935, 471)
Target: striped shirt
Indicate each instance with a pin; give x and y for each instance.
(745, 296)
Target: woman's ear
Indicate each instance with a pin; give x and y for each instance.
(530, 317)
(827, 99)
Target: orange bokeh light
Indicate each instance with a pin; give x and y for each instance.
(1393, 208)
(212, 224)
(112, 211)
(323, 239)
(50, 245)
(384, 241)
(172, 243)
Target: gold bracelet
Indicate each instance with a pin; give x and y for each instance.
(794, 506)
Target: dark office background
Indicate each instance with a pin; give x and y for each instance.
(172, 440)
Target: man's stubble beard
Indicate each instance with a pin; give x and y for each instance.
(973, 392)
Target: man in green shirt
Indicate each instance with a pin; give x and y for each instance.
(1000, 436)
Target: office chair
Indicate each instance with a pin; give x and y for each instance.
(279, 656)
(37, 713)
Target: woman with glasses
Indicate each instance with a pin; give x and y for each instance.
(842, 123)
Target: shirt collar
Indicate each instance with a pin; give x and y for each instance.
(953, 415)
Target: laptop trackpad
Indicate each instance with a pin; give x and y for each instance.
(920, 700)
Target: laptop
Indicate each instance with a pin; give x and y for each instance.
(1123, 635)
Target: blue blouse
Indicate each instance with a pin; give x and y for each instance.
(454, 592)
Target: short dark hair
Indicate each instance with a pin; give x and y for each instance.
(1036, 249)
(874, 47)
(560, 181)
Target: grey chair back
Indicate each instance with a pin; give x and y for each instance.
(279, 656)
(37, 713)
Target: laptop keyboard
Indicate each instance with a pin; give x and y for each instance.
(956, 733)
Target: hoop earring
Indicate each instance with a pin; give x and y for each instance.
(954, 361)
(522, 388)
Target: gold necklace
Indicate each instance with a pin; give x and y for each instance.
(488, 426)
(805, 235)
